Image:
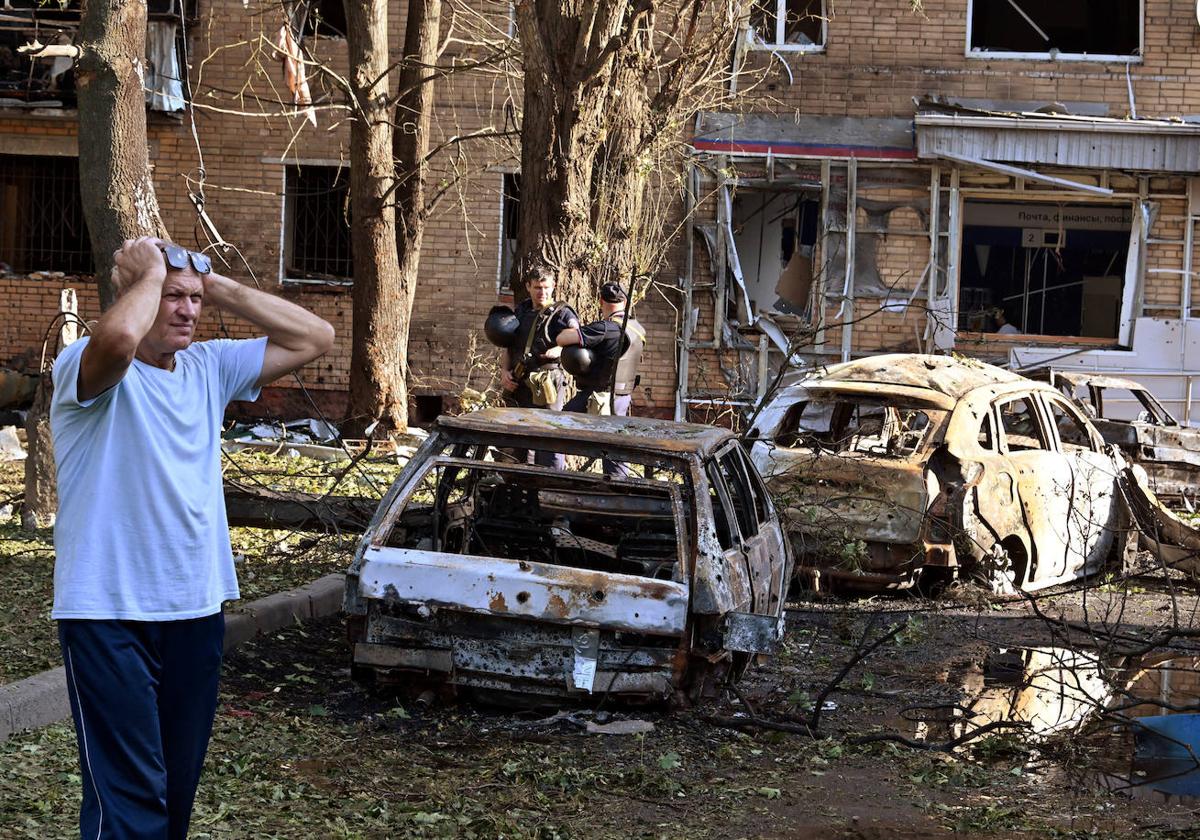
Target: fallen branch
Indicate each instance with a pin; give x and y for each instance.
(936, 746)
(753, 722)
(862, 653)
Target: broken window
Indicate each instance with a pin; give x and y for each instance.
(987, 438)
(327, 18)
(844, 427)
(41, 217)
(788, 24)
(510, 222)
(1096, 29)
(775, 233)
(317, 223)
(485, 509)
(1071, 432)
(1022, 427)
(758, 490)
(723, 516)
(31, 82)
(1043, 269)
(1123, 404)
(739, 494)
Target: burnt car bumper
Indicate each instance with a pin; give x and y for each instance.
(519, 626)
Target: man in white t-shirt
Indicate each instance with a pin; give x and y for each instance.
(143, 559)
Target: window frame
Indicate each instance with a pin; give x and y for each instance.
(763, 508)
(1049, 441)
(1051, 400)
(285, 223)
(1103, 58)
(752, 42)
(718, 488)
(733, 477)
(36, 164)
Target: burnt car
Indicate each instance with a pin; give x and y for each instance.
(1127, 415)
(901, 469)
(485, 575)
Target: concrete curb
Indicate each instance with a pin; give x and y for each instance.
(42, 699)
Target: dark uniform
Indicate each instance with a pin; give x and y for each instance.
(560, 317)
(604, 339)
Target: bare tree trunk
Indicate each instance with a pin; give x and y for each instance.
(387, 200)
(560, 129)
(572, 103)
(414, 118)
(115, 182)
(378, 391)
(610, 87)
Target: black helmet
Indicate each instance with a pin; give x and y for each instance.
(576, 360)
(501, 326)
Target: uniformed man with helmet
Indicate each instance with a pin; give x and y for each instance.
(530, 373)
(603, 357)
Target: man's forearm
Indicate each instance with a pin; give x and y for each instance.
(569, 337)
(121, 329)
(283, 322)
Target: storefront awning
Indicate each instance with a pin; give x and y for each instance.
(1084, 142)
(862, 138)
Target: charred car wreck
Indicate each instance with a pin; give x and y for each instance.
(480, 573)
(903, 469)
(1128, 416)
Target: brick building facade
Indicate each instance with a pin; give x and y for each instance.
(1037, 161)
(956, 158)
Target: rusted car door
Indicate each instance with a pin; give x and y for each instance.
(1045, 482)
(767, 550)
(1094, 498)
(754, 547)
(736, 571)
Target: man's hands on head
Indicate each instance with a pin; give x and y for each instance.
(138, 259)
(139, 272)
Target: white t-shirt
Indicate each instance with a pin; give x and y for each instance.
(141, 532)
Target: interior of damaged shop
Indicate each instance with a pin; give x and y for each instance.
(841, 245)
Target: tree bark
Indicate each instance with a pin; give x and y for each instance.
(583, 133)
(388, 204)
(115, 182)
(610, 87)
(562, 126)
(414, 120)
(378, 390)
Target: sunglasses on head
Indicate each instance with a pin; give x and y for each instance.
(179, 259)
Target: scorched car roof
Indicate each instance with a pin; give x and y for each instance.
(626, 432)
(944, 374)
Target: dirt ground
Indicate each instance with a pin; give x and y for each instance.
(301, 750)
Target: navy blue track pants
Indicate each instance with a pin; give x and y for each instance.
(143, 696)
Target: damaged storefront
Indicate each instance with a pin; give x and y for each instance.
(1024, 237)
